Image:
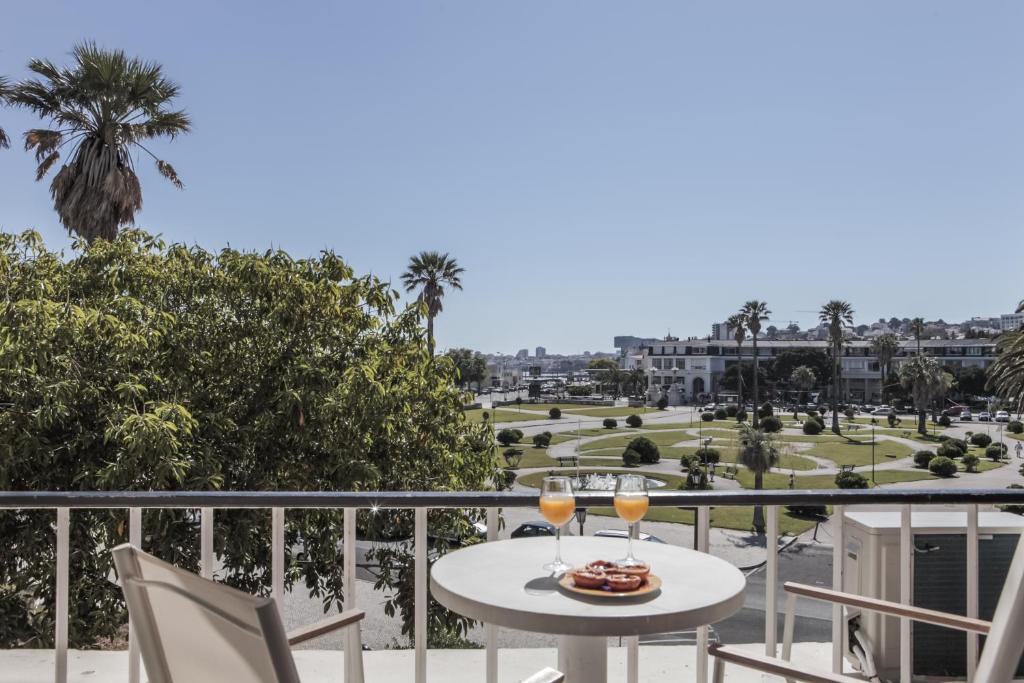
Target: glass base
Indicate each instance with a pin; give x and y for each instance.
(630, 562)
(558, 567)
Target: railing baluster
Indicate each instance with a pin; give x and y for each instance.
(972, 587)
(420, 611)
(906, 569)
(134, 655)
(353, 648)
(702, 530)
(838, 542)
(490, 630)
(206, 543)
(61, 636)
(277, 556)
(771, 607)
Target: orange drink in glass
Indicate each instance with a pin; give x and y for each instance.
(631, 503)
(557, 504)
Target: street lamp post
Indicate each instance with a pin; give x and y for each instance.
(872, 454)
(581, 517)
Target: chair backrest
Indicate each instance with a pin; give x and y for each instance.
(190, 629)
(1005, 642)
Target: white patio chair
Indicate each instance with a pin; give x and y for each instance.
(192, 629)
(999, 658)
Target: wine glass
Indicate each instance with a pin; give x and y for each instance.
(631, 503)
(557, 504)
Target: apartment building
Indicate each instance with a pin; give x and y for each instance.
(692, 369)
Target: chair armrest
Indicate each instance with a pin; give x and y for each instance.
(324, 626)
(777, 667)
(928, 616)
(546, 675)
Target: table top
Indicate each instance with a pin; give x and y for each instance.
(502, 583)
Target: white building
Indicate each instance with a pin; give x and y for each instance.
(1009, 322)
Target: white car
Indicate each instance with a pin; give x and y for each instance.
(965, 415)
(984, 416)
(711, 407)
(1002, 416)
(881, 410)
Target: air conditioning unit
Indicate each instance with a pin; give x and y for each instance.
(939, 581)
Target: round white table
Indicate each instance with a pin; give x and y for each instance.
(502, 583)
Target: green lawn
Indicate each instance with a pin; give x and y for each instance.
(620, 441)
(860, 453)
(501, 415)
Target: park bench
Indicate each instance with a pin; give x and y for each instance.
(730, 472)
(568, 460)
(845, 468)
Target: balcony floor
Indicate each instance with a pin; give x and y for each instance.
(657, 664)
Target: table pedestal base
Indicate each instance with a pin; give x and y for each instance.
(583, 659)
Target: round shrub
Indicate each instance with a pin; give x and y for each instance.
(741, 415)
(507, 437)
(662, 403)
(1015, 427)
(720, 414)
(812, 427)
(542, 440)
(707, 455)
(942, 466)
(820, 420)
(634, 421)
(812, 413)
(944, 421)
(851, 480)
(949, 450)
(630, 458)
(771, 424)
(610, 423)
(995, 451)
(647, 449)
(923, 458)
(513, 456)
(970, 462)
(981, 439)
(555, 413)
(731, 410)
(765, 410)
(892, 419)
(849, 413)
(707, 417)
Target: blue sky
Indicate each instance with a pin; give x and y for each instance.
(598, 167)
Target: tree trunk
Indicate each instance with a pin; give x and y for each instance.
(922, 427)
(430, 334)
(835, 388)
(739, 375)
(759, 525)
(754, 420)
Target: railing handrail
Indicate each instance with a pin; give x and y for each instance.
(510, 499)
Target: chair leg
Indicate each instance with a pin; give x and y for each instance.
(787, 629)
(718, 674)
(354, 654)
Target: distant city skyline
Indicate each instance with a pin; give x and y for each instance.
(597, 169)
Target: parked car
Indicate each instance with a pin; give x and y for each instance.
(953, 411)
(531, 529)
(882, 410)
(965, 415)
(1002, 416)
(620, 533)
(711, 407)
(984, 416)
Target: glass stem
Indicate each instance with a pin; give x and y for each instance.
(558, 545)
(629, 542)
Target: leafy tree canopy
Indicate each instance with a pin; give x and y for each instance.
(136, 365)
(471, 366)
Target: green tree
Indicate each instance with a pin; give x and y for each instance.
(971, 381)
(106, 107)
(917, 328)
(802, 379)
(927, 381)
(738, 324)
(637, 381)
(1006, 374)
(783, 364)
(885, 347)
(754, 313)
(471, 366)
(430, 272)
(5, 94)
(759, 452)
(836, 314)
(135, 365)
(609, 375)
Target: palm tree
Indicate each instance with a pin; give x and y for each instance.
(836, 314)
(917, 329)
(803, 378)
(738, 324)
(885, 347)
(430, 272)
(753, 313)
(759, 452)
(637, 379)
(105, 106)
(5, 94)
(1006, 374)
(927, 381)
